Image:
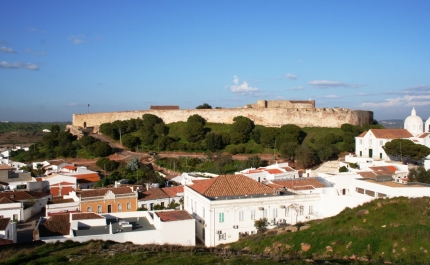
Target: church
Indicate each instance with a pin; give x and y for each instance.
(369, 144)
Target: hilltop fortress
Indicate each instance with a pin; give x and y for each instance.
(272, 113)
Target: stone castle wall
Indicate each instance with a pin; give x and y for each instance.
(272, 117)
(283, 104)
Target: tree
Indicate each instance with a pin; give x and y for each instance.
(419, 174)
(261, 225)
(107, 164)
(306, 156)
(406, 148)
(161, 129)
(213, 141)
(204, 106)
(130, 141)
(100, 148)
(194, 131)
(253, 161)
(268, 136)
(243, 125)
(288, 149)
(291, 133)
(173, 204)
(133, 164)
(196, 118)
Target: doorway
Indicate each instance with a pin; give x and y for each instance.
(370, 153)
(109, 208)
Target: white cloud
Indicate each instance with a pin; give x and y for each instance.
(243, 88)
(332, 96)
(78, 39)
(19, 65)
(291, 76)
(73, 104)
(408, 100)
(7, 50)
(297, 88)
(328, 84)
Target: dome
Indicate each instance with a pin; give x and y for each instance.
(413, 123)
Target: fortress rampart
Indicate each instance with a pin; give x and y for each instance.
(272, 117)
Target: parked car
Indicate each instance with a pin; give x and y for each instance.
(153, 153)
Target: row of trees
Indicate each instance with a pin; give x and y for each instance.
(59, 143)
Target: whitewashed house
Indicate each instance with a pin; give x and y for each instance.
(8, 230)
(226, 207)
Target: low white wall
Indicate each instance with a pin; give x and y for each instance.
(333, 205)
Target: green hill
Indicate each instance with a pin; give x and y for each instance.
(390, 231)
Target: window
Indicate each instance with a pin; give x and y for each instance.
(119, 207)
(301, 210)
(311, 209)
(222, 236)
(381, 142)
(99, 209)
(361, 141)
(221, 217)
(128, 206)
(252, 214)
(89, 209)
(240, 215)
(162, 204)
(275, 212)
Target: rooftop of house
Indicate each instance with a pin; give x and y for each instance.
(5, 200)
(169, 216)
(152, 194)
(5, 241)
(23, 195)
(56, 162)
(56, 225)
(85, 216)
(69, 167)
(173, 191)
(4, 222)
(393, 184)
(6, 167)
(424, 135)
(87, 177)
(59, 200)
(384, 170)
(102, 192)
(389, 133)
(297, 184)
(230, 185)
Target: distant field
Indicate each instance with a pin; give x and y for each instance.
(12, 133)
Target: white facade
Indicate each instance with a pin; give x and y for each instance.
(14, 211)
(10, 232)
(223, 221)
(371, 147)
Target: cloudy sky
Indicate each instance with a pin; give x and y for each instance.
(56, 57)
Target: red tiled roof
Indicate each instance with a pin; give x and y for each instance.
(362, 134)
(288, 168)
(230, 185)
(102, 192)
(424, 135)
(4, 222)
(152, 194)
(56, 225)
(5, 167)
(298, 184)
(273, 170)
(84, 216)
(254, 171)
(16, 195)
(169, 216)
(367, 175)
(5, 200)
(60, 200)
(70, 167)
(55, 191)
(391, 133)
(382, 170)
(64, 183)
(56, 162)
(173, 191)
(87, 178)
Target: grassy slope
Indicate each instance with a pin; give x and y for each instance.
(29, 126)
(395, 230)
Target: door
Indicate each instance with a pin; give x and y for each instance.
(370, 152)
(109, 208)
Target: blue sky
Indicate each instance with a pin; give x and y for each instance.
(56, 57)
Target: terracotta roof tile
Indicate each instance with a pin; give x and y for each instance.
(87, 178)
(16, 195)
(4, 222)
(300, 184)
(288, 169)
(152, 194)
(362, 134)
(55, 191)
(56, 225)
(102, 192)
(173, 191)
(169, 216)
(382, 170)
(424, 135)
(59, 200)
(367, 175)
(230, 185)
(5, 200)
(70, 167)
(391, 133)
(56, 162)
(84, 216)
(5, 167)
(273, 170)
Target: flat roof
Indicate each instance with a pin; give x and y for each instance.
(169, 216)
(395, 184)
(138, 224)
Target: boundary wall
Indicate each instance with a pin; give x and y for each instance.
(271, 117)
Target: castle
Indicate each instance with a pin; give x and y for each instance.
(271, 113)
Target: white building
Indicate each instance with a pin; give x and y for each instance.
(144, 227)
(226, 207)
(8, 230)
(272, 172)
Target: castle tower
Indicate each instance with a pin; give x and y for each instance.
(414, 124)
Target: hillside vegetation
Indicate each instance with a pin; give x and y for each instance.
(390, 231)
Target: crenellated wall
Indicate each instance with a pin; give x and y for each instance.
(273, 117)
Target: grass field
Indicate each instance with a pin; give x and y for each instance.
(13, 133)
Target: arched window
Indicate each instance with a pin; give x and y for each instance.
(89, 209)
(99, 209)
(128, 205)
(119, 207)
